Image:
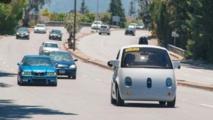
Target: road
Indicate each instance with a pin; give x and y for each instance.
(87, 97)
(105, 48)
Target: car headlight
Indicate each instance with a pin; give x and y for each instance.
(46, 51)
(26, 33)
(168, 82)
(26, 73)
(51, 73)
(17, 33)
(59, 36)
(128, 81)
(72, 66)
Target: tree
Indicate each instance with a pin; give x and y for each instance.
(132, 10)
(143, 11)
(84, 9)
(116, 9)
(105, 17)
(33, 5)
(69, 22)
(5, 1)
(10, 15)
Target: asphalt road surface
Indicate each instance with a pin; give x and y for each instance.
(87, 97)
(105, 48)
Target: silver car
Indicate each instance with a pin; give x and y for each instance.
(104, 29)
(143, 73)
(48, 47)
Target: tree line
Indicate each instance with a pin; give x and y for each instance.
(191, 19)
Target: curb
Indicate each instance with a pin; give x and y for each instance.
(80, 55)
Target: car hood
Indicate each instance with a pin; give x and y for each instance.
(51, 49)
(39, 28)
(65, 63)
(38, 68)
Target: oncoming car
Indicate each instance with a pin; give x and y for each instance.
(143, 73)
(36, 69)
(64, 63)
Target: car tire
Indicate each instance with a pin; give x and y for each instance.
(73, 77)
(108, 34)
(55, 84)
(28, 38)
(119, 101)
(162, 102)
(171, 103)
(99, 33)
(113, 101)
(50, 38)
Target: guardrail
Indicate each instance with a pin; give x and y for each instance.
(176, 50)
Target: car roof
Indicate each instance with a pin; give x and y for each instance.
(40, 56)
(143, 46)
(55, 30)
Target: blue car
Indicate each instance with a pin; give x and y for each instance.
(36, 69)
(64, 63)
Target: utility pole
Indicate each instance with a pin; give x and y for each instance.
(97, 18)
(74, 26)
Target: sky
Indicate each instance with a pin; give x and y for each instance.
(63, 6)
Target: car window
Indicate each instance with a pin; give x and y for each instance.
(37, 61)
(23, 30)
(146, 58)
(56, 31)
(39, 25)
(51, 45)
(103, 26)
(61, 57)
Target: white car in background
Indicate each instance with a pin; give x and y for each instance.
(143, 73)
(96, 25)
(132, 25)
(48, 47)
(40, 28)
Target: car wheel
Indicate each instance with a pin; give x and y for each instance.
(108, 34)
(162, 102)
(55, 84)
(73, 77)
(119, 101)
(28, 38)
(99, 33)
(171, 103)
(16, 37)
(113, 101)
(50, 38)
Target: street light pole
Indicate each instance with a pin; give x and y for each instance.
(74, 26)
(97, 10)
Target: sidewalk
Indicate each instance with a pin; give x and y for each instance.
(80, 55)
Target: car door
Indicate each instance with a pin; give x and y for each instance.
(115, 74)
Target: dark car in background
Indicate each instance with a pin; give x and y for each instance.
(23, 32)
(130, 31)
(55, 34)
(143, 40)
(64, 63)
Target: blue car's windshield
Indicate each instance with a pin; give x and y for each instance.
(61, 57)
(37, 61)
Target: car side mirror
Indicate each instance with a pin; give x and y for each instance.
(113, 63)
(176, 64)
(76, 60)
(19, 64)
(56, 64)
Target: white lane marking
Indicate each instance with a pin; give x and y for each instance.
(205, 105)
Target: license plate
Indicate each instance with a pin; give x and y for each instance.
(61, 71)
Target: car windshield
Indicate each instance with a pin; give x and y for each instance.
(97, 23)
(37, 61)
(23, 30)
(146, 58)
(61, 56)
(56, 31)
(103, 26)
(133, 24)
(52, 45)
(39, 25)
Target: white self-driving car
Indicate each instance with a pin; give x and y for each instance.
(143, 73)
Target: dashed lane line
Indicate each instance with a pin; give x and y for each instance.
(205, 105)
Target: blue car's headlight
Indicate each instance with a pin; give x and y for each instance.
(72, 66)
(51, 73)
(26, 73)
